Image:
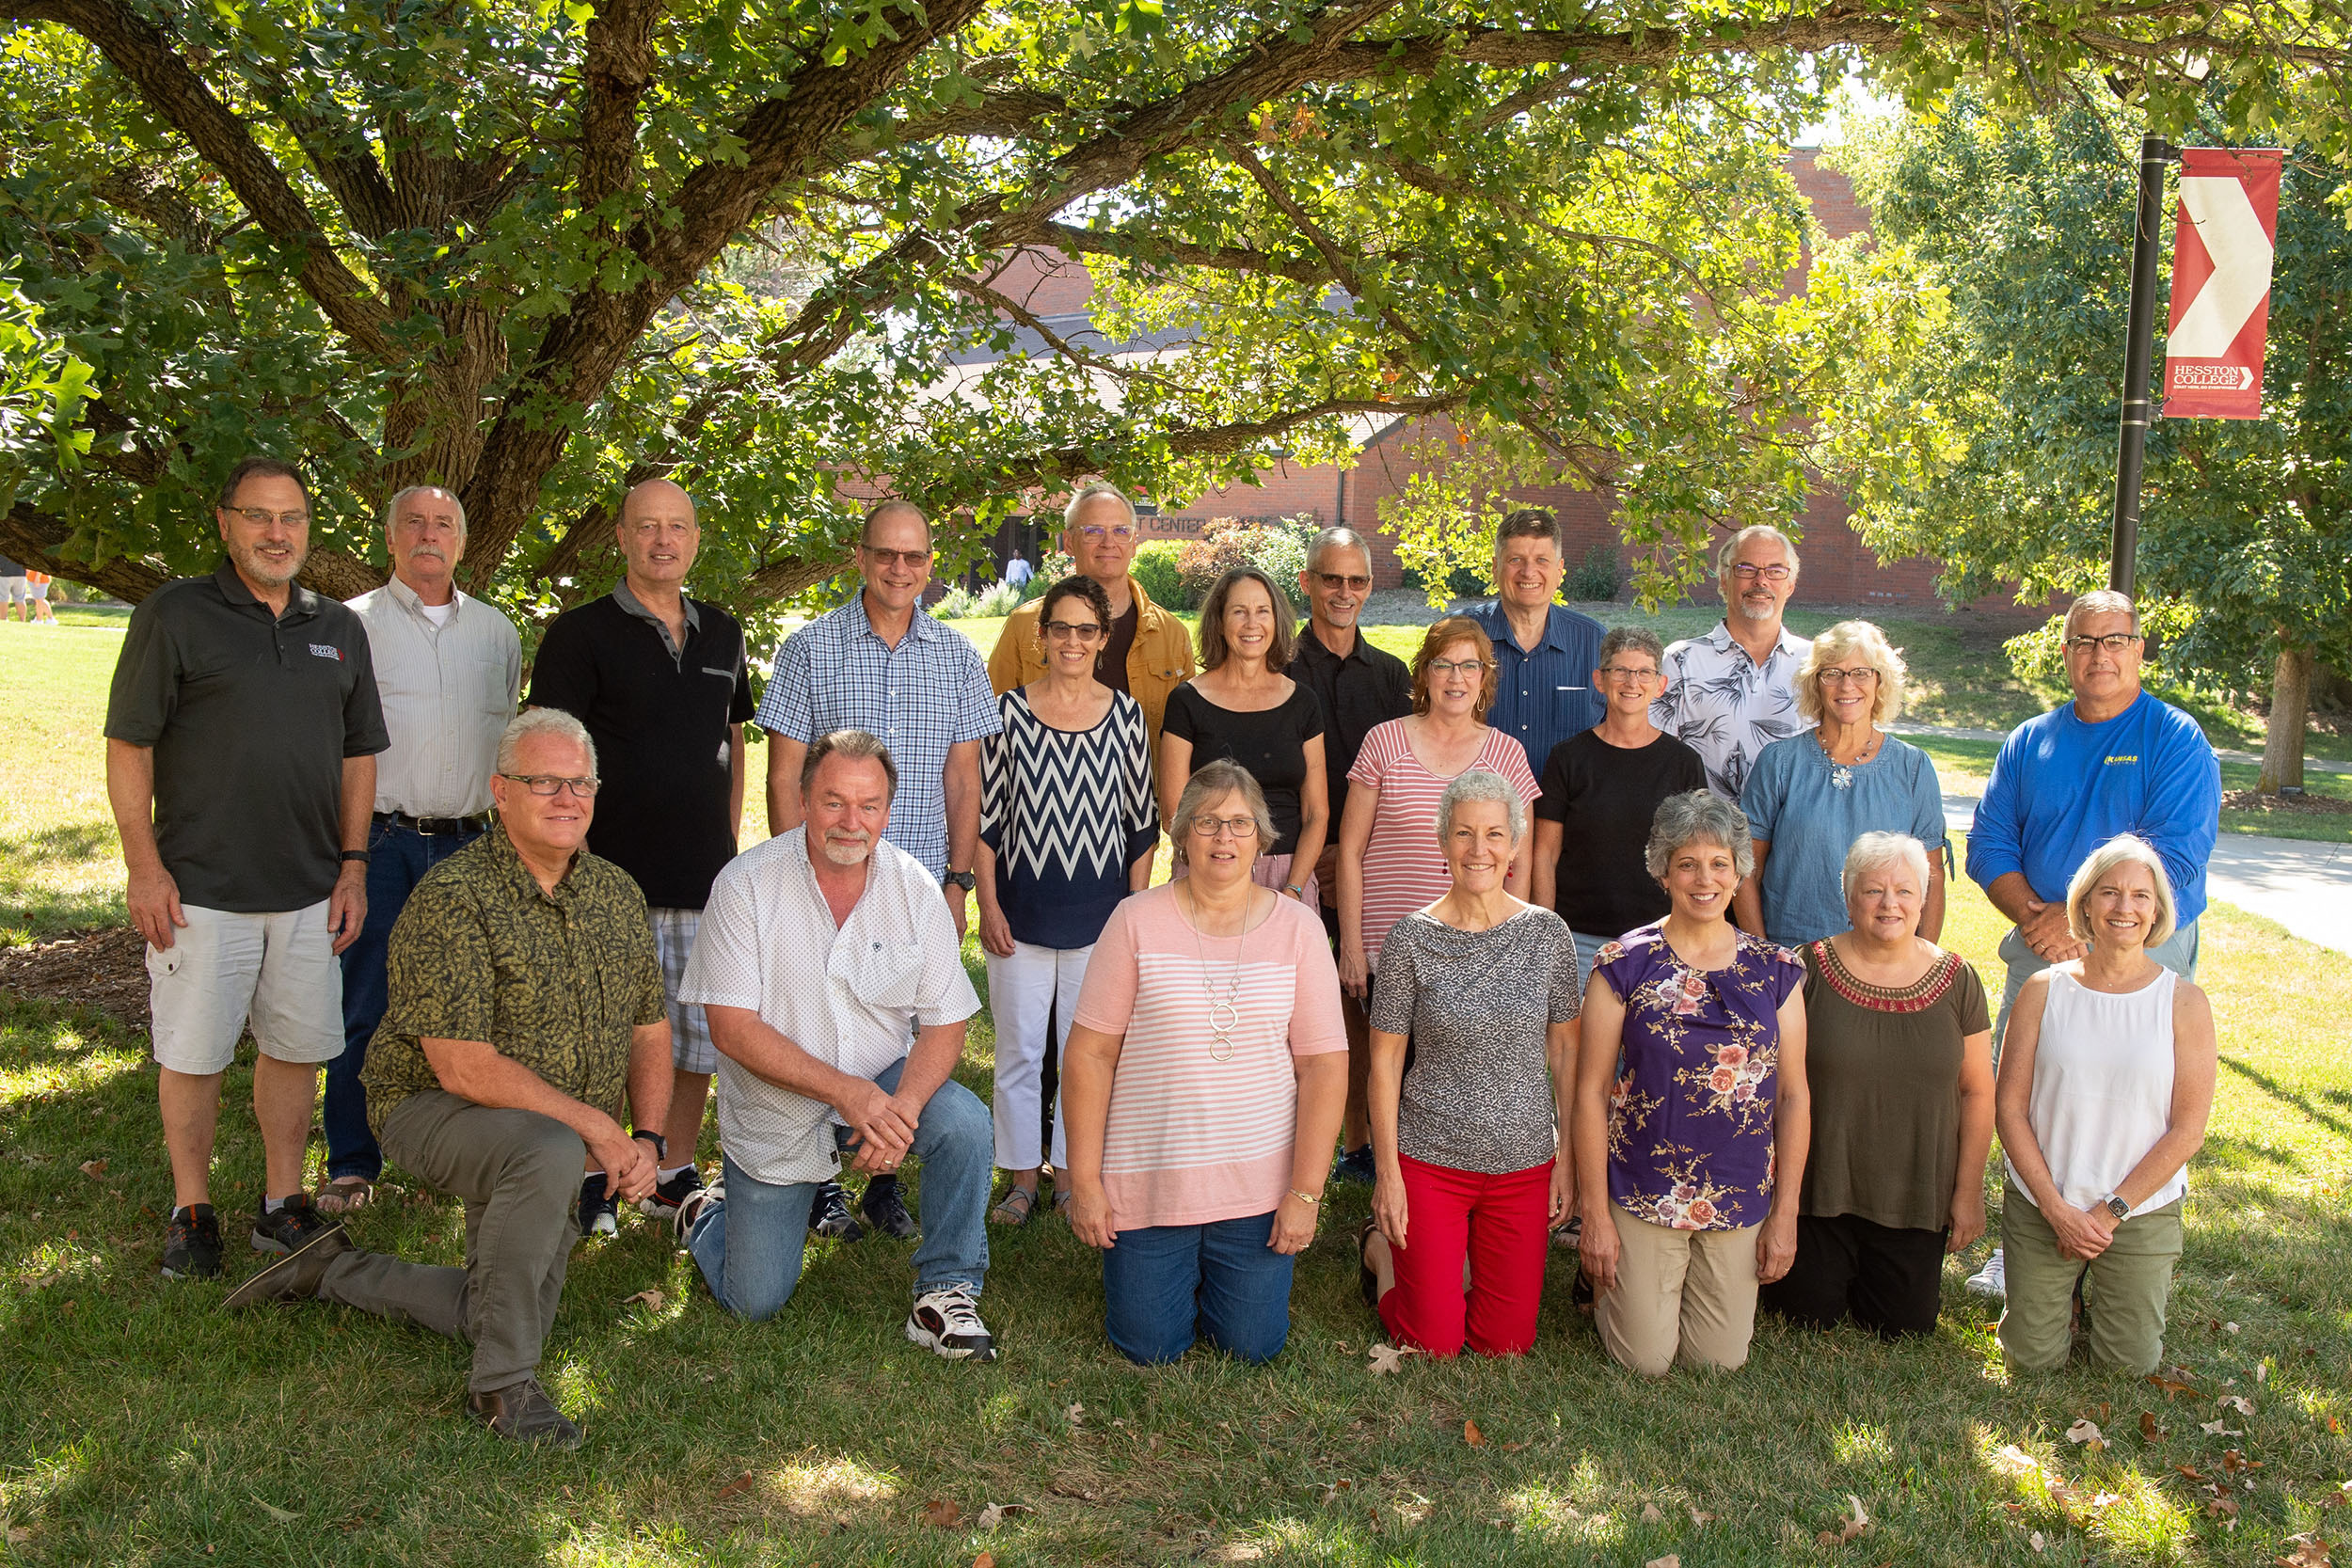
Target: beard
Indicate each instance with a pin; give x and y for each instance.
(847, 852)
(257, 566)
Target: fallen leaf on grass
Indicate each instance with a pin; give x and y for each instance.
(2262, 1371)
(1388, 1359)
(2238, 1402)
(651, 1300)
(1847, 1528)
(2234, 1462)
(986, 1559)
(1699, 1520)
(2036, 1542)
(2228, 1328)
(283, 1515)
(19, 1534)
(997, 1513)
(946, 1513)
(2010, 1460)
(1075, 1415)
(2172, 1386)
(1670, 1559)
(739, 1484)
(2086, 1431)
(94, 1169)
(1650, 1514)
(2310, 1552)
(1471, 1436)
(2149, 1429)
(2190, 1471)
(2216, 1430)
(1513, 1448)
(2221, 1507)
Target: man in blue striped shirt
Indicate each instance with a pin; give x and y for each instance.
(1546, 652)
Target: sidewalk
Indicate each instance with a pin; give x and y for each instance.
(2252, 759)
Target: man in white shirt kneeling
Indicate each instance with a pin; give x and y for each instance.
(820, 954)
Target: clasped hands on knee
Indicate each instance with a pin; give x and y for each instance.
(884, 1127)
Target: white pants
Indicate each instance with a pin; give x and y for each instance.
(224, 967)
(1021, 990)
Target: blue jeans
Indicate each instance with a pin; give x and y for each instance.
(767, 1223)
(1165, 1284)
(398, 858)
(1587, 950)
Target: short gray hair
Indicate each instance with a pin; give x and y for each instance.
(391, 508)
(1640, 639)
(531, 723)
(1223, 776)
(1700, 817)
(1087, 492)
(1337, 539)
(2115, 851)
(856, 745)
(1872, 850)
(2101, 601)
(1481, 784)
(1730, 552)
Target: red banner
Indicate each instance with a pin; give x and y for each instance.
(2221, 247)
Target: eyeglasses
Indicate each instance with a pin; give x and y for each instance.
(1443, 667)
(909, 558)
(1334, 581)
(1776, 571)
(1628, 673)
(1084, 631)
(555, 784)
(1224, 827)
(1119, 532)
(261, 517)
(2114, 642)
(1861, 674)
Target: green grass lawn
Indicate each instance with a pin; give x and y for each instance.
(138, 1425)
(1964, 765)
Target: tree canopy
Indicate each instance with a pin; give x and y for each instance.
(1987, 438)
(534, 250)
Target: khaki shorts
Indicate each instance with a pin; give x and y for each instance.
(223, 970)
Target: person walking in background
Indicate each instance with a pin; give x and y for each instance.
(1602, 790)
(448, 671)
(37, 605)
(1810, 797)
(661, 683)
(1470, 1139)
(1544, 651)
(1898, 1063)
(1243, 708)
(1733, 692)
(2106, 1085)
(525, 1003)
(1019, 573)
(1067, 828)
(1389, 863)
(1357, 688)
(16, 589)
(1148, 652)
(2114, 760)
(242, 731)
(1202, 1089)
(879, 665)
(1692, 1119)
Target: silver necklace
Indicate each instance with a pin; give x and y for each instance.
(1224, 1018)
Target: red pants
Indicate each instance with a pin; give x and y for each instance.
(1501, 1223)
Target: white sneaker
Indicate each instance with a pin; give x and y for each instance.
(947, 1321)
(1990, 1280)
(682, 1219)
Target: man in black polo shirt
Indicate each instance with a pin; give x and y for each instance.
(1358, 686)
(241, 743)
(659, 680)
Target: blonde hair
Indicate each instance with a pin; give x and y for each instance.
(1842, 640)
(2114, 852)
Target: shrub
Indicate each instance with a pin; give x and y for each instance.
(1278, 549)
(1462, 582)
(1597, 578)
(1157, 567)
(954, 605)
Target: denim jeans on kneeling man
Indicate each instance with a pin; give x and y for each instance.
(749, 1244)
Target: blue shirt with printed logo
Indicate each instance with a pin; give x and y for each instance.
(2061, 788)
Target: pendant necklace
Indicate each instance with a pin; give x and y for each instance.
(1224, 1018)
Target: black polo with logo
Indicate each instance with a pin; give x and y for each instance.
(250, 716)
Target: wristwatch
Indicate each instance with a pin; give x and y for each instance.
(2116, 1206)
(660, 1144)
(964, 879)
(359, 855)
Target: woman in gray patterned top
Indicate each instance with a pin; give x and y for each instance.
(1468, 1163)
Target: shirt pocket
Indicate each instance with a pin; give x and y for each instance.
(887, 974)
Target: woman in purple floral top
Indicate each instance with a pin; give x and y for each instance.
(1692, 1121)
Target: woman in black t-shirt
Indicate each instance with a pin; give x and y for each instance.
(1242, 707)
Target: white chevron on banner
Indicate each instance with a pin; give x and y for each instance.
(2233, 235)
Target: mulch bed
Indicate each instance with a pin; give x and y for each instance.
(103, 969)
(2247, 799)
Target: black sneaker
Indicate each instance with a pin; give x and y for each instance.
(884, 1211)
(1353, 1167)
(192, 1243)
(292, 1226)
(828, 1214)
(523, 1413)
(599, 1215)
(666, 1196)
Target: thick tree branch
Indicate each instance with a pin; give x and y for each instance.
(619, 66)
(36, 537)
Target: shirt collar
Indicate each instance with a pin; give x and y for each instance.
(1719, 640)
(1555, 622)
(1311, 645)
(630, 602)
(410, 600)
(299, 600)
(919, 626)
(518, 875)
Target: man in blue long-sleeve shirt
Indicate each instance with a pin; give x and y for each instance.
(2115, 760)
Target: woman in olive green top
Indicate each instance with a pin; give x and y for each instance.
(1898, 1056)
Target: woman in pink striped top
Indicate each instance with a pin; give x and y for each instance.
(1201, 1089)
(1389, 864)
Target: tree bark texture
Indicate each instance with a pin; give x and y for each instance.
(2290, 710)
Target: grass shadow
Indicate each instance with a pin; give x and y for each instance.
(2302, 1102)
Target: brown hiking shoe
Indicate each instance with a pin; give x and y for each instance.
(294, 1277)
(522, 1412)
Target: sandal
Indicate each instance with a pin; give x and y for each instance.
(344, 1195)
(1062, 1202)
(1367, 1282)
(1014, 1208)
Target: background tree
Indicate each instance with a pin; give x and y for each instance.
(1989, 441)
(533, 251)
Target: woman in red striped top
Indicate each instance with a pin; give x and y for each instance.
(1390, 863)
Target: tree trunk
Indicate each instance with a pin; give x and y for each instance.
(2290, 707)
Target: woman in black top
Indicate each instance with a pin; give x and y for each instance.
(1242, 707)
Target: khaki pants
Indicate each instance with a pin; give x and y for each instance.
(1681, 1295)
(2124, 1289)
(519, 1175)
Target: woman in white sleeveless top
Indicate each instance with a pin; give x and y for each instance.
(2107, 1079)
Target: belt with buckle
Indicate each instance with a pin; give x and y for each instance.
(433, 827)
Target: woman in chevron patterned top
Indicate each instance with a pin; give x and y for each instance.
(1067, 828)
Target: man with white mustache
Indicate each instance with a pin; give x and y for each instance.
(836, 990)
(1733, 692)
(448, 669)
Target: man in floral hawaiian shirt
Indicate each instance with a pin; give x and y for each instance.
(1733, 692)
